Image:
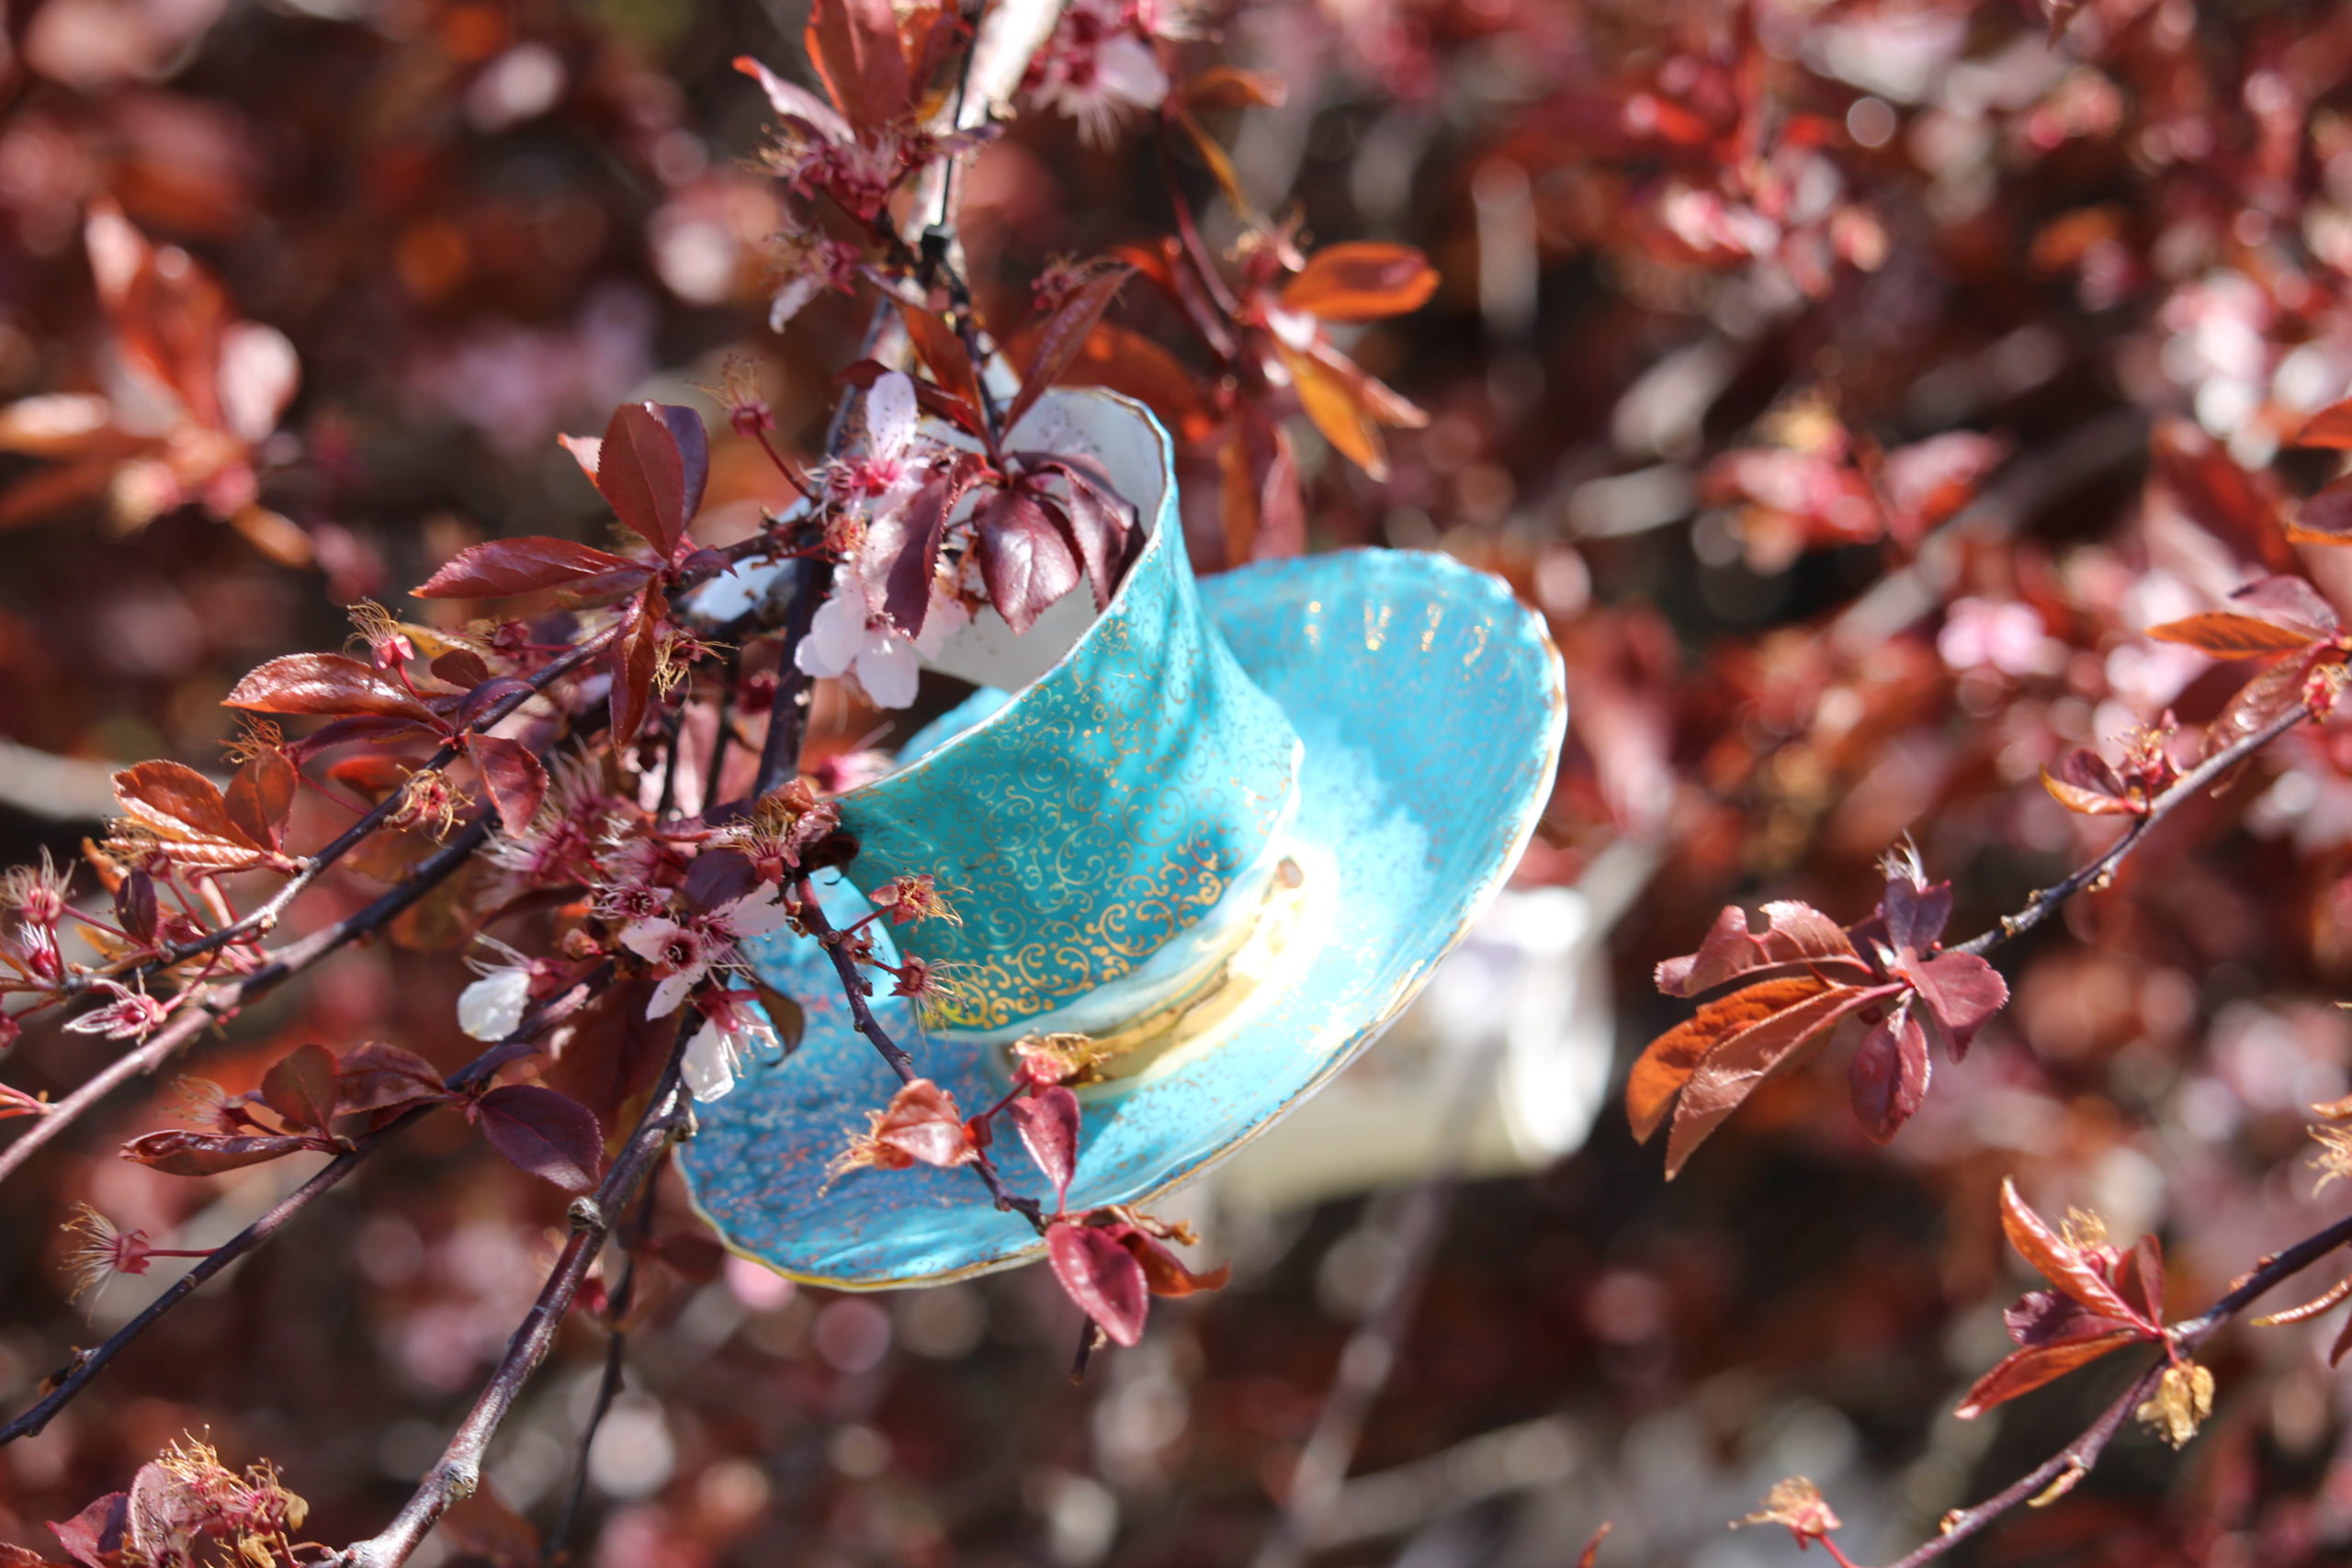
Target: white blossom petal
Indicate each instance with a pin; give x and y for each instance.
(890, 415)
(493, 1006)
(709, 1065)
(887, 670)
(671, 991)
(837, 634)
(747, 917)
(1127, 67)
(650, 939)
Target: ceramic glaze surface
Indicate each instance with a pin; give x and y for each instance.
(1430, 707)
(1080, 829)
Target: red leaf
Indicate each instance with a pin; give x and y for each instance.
(2083, 782)
(1889, 1073)
(1025, 561)
(1049, 1124)
(1793, 934)
(2291, 601)
(513, 775)
(795, 102)
(1727, 1075)
(1962, 990)
(373, 1076)
(522, 564)
(1164, 1273)
(2225, 635)
(177, 1151)
(2332, 427)
(1335, 403)
(2325, 518)
(1591, 1553)
(1669, 1060)
(2062, 1265)
(548, 1135)
(633, 659)
(1101, 1276)
(178, 802)
(854, 46)
(2021, 1372)
(325, 683)
(261, 796)
(1914, 916)
(1063, 334)
(943, 349)
(1360, 282)
(642, 471)
(96, 1536)
(301, 1087)
(908, 540)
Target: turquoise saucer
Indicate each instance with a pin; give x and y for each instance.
(1430, 706)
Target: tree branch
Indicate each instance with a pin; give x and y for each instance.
(2077, 1457)
(217, 1003)
(457, 1474)
(855, 988)
(88, 1364)
(2048, 901)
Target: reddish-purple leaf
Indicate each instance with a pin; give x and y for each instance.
(1101, 522)
(301, 1087)
(2325, 518)
(550, 1135)
(693, 455)
(178, 1151)
(1795, 934)
(2332, 427)
(1063, 334)
(134, 907)
(1102, 1278)
(795, 102)
(1889, 1073)
(1962, 990)
(943, 349)
(2270, 696)
(2062, 1265)
(1025, 561)
(633, 659)
(1915, 916)
(2291, 601)
(2045, 1317)
(718, 877)
(854, 46)
(261, 796)
(1049, 1124)
(375, 729)
(641, 472)
(907, 542)
(178, 803)
(373, 1076)
(512, 773)
(325, 683)
(2021, 1372)
(97, 1536)
(1669, 1060)
(524, 565)
(2084, 781)
(461, 668)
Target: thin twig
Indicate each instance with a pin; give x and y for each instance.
(458, 1472)
(2078, 1456)
(855, 988)
(555, 1549)
(2046, 902)
(217, 1003)
(89, 1363)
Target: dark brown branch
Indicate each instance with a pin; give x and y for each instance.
(2078, 1456)
(217, 1003)
(89, 1363)
(2048, 901)
(788, 715)
(457, 1474)
(856, 989)
(555, 1549)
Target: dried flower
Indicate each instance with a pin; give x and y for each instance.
(1798, 1504)
(2184, 1398)
(906, 899)
(2334, 1157)
(35, 894)
(130, 1016)
(102, 1252)
(1057, 1058)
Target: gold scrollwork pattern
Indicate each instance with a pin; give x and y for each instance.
(1094, 819)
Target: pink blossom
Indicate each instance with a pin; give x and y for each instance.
(683, 952)
(1099, 67)
(129, 1017)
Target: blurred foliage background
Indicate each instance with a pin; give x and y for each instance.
(1849, 383)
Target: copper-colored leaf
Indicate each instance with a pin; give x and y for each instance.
(2325, 518)
(2270, 696)
(261, 796)
(301, 1087)
(178, 803)
(1065, 332)
(854, 46)
(2062, 1265)
(943, 349)
(2226, 634)
(1360, 282)
(179, 1152)
(1794, 935)
(644, 476)
(2021, 1372)
(512, 773)
(2332, 427)
(1889, 1075)
(1671, 1058)
(325, 684)
(1164, 1273)
(1229, 87)
(1727, 1075)
(524, 565)
(1336, 410)
(633, 659)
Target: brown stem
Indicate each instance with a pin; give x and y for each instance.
(458, 1472)
(2047, 902)
(855, 988)
(555, 1549)
(217, 1003)
(2078, 1456)
(266, 917)
(788, 715)
(89, 1363)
